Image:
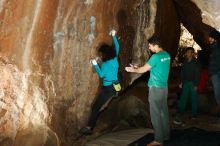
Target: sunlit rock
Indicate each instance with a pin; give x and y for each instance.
(22, 103)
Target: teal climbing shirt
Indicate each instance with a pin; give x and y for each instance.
(160, 67)
(108, 71)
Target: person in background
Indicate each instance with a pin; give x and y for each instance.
(214, 65)
(108, 72)
(159, 67)
(189, 83)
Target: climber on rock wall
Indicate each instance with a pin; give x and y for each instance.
(108, 72)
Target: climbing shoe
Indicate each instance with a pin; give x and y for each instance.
(86, 130)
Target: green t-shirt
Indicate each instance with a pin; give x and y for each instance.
(160, 67)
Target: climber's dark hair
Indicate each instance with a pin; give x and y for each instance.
(155, 40)
(107, 52)
(214, 34)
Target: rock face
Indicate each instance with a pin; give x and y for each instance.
(45, 48)
(125, 111)
(210, 12)
(199, 17)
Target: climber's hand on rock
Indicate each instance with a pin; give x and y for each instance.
(112, 32)
(93, 62)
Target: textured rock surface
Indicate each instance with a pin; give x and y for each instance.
(125, 111)
(199, 17)
(19, 108)
(45, 48)
(210, 12)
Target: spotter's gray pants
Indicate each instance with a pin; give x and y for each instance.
(159, 113)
